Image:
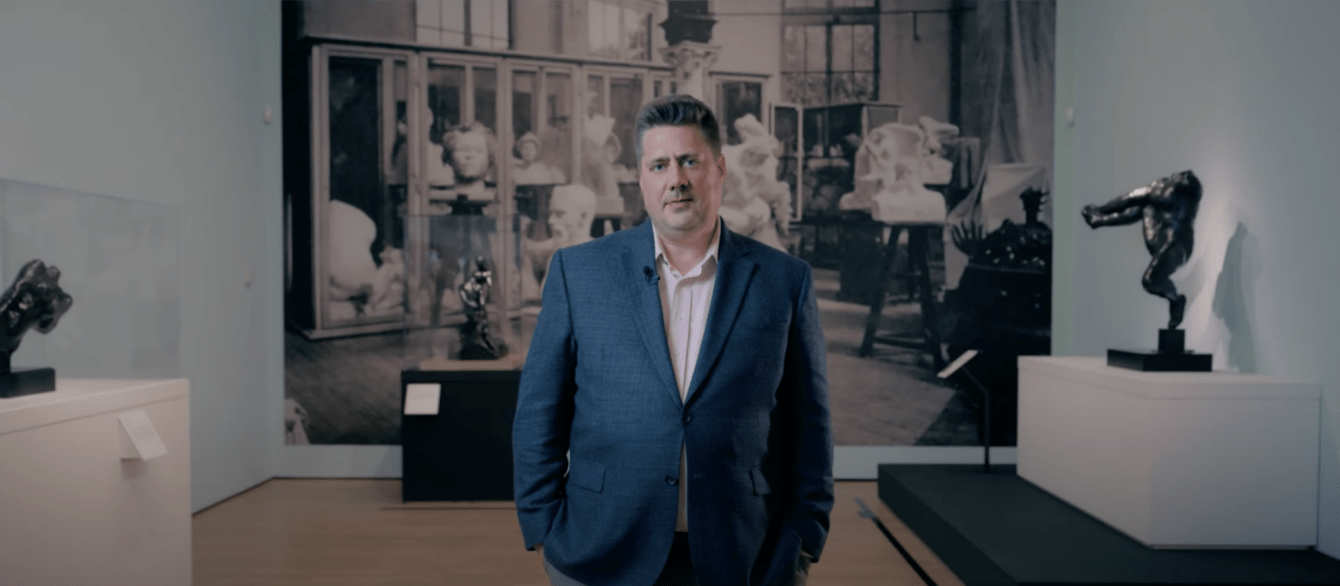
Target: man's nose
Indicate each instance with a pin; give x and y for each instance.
(681, 178)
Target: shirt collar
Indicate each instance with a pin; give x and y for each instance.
(711, 248)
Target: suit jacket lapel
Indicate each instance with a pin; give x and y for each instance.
(734, 270)
(644, 289)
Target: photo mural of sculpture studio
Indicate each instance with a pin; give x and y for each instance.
(436, 162)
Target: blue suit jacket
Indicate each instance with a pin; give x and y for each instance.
(598, 382)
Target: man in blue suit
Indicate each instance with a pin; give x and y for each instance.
(672, 425)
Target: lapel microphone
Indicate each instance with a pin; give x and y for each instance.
(652, 277)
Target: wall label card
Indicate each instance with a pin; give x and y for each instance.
(139, 439)
(421, 398)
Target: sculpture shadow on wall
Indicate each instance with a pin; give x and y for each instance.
(1234, 292)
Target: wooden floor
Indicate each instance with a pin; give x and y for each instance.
(337, 532)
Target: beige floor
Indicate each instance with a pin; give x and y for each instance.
(338, 532)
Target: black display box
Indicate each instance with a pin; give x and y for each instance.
(464, 452)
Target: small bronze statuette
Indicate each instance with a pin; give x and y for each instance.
(476, 341)
(34, 300)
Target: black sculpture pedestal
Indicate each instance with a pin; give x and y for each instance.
(464, 451)
(1171, 356)
(27, 381)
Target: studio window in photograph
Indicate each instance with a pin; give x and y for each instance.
(829, 64)
(827, 5)
(619, 31)
(482, 24)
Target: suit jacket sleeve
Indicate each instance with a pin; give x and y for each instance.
(540, 431)
(806, 379)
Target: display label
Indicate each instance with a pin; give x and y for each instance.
(422, 398)
(139, 439)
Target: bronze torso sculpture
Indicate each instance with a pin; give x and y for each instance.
(34, 300)
(1167, 207)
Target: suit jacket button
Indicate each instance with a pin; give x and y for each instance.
(688, 418)
(671, 480)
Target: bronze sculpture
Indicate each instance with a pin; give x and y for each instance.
(1167, 210)
(476, 341)
(34, 300)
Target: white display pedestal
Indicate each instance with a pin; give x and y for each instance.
(75, 507)
(1174, 459)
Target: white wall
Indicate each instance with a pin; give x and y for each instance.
(1242, 93)
(161, 101)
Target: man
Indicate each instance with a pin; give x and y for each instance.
(672, 425)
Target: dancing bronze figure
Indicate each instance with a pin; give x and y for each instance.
(1167, 208)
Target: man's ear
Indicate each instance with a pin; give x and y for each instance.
(721, 164)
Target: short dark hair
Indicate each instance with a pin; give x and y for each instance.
(678, 110)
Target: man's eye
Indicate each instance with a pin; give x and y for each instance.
(657, 167)
(690, 162)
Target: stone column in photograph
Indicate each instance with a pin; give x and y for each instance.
(688, 30)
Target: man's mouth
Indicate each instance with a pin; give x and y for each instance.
(676, 200)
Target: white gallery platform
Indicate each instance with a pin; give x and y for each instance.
(1174, 459)
(95, 484)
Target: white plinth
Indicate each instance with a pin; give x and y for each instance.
(72, 511)
(1174, 460)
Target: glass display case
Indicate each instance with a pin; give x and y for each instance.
(426, 160)
(347, 236)
(507, 209)
(119, 260)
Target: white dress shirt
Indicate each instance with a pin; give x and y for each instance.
(685, 300)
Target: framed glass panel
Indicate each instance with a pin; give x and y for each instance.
(525, 102)
(445, 99)
(842, 48)
(735, 99)
(863, 47)
(619, 31)
(793, 48)
(608, 164)
(488, 25)
(625, 101)
(786, 129)
(557, 140)
(816, 47)
(360, 279)
(595, 95)
(486, 96)
(542, 156)
(458, 225)
(636, 32)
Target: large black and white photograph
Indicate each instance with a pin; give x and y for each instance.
(438, 153)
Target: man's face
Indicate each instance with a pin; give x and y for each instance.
(471, 155)
(681, 180)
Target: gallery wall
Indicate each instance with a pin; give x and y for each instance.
(1242, 94)
(161, 101)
